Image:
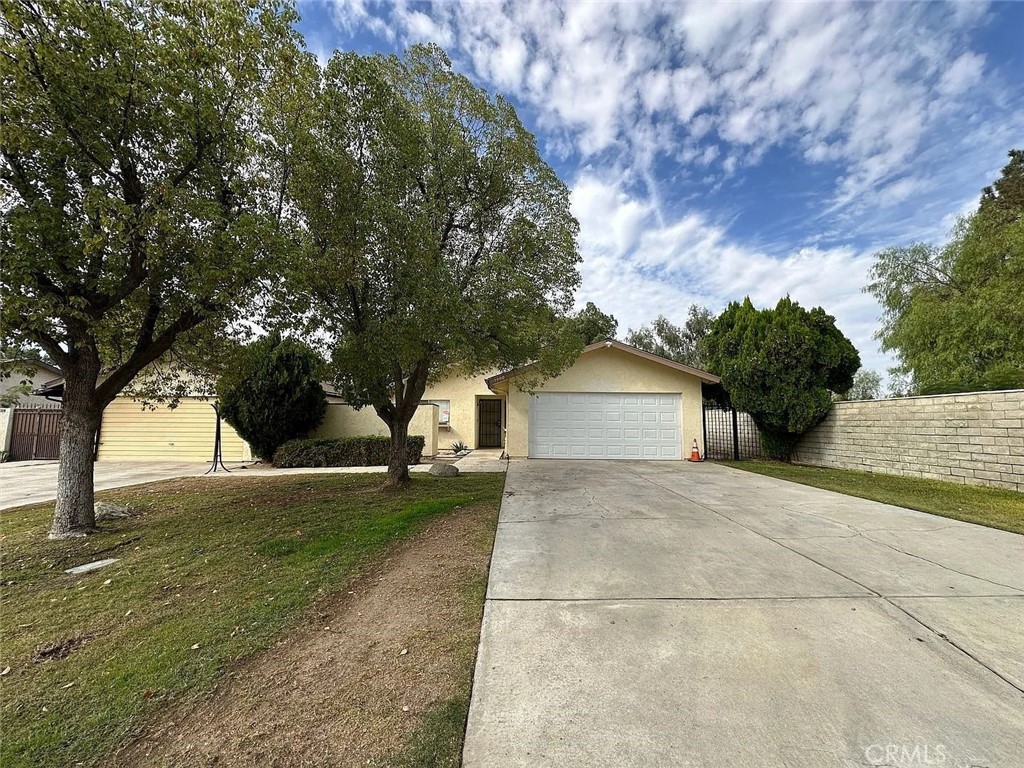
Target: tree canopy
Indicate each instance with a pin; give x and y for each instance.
(781, 366)
(681, 343)
(271, 393)
(138, 199)
(594, 325)
(437, 239)
(867, 385)
(954, 313)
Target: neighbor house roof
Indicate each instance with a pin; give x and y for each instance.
(14, 362)
(52, 389)
(704, 376)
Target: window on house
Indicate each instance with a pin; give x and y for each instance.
(443, 410)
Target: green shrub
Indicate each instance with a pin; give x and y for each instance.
(781, 366)
(271, 393)
(368, 451)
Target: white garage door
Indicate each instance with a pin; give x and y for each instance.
(602, 425)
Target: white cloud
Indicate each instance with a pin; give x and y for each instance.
(861, 85)
(962, 74)
(637, 268)
(889, 101)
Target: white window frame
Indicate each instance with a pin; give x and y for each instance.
(444, 412)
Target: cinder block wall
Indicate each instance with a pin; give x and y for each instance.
(975, 438)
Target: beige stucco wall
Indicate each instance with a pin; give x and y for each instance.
(6, 425)
(39, 376)
(342, 420)
(463, 393)
(974, 438)
(611, 370)
(130, 432)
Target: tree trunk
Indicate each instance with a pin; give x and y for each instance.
(778, 445)
(398, 462)
(80, 418)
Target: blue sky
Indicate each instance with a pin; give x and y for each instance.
(718, 150)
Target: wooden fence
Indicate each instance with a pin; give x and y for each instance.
(35, 433)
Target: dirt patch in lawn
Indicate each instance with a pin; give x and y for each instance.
(362, 681)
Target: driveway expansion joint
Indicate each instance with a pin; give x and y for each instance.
(748, 598)
(901, 609)
(608, 640)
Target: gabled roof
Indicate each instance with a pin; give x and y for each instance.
(704, 376)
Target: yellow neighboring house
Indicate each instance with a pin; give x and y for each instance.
(614, 402)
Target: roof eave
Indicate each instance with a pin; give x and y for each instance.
(704, 376)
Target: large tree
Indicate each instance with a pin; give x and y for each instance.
(954, 313)
(782, 366)
(867, 385)
(593, 325)
(137, 207)
(437, 238)
(682, 343)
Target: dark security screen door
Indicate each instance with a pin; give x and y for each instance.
(489, 423)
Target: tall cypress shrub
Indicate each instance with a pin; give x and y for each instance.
(272, 393)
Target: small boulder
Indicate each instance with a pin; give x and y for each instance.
(444, 470)
(104, 510)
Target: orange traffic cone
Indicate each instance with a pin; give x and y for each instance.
(695, 452)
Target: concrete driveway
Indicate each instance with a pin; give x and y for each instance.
(659, 614)
(33, 482)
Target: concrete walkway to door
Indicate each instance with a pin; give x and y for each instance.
(667, 614)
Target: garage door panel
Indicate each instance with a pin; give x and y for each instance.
(605, 425)
(186, 433)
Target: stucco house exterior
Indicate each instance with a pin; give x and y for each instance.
(614, 402)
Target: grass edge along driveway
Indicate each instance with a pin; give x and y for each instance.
(207, 576)
(993, 507)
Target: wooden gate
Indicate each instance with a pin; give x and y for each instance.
(35, 433)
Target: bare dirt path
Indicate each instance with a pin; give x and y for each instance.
(362, 680)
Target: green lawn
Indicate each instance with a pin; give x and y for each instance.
(209, 572)
(994, 507)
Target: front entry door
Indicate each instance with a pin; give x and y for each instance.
(488, 423)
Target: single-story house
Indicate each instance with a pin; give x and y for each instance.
(614, 402)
